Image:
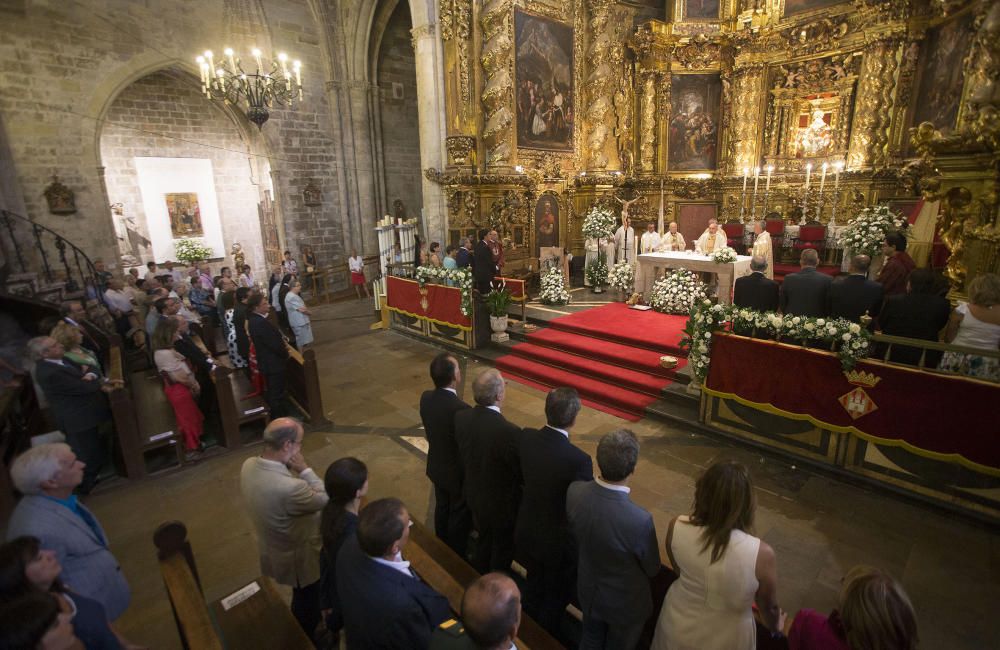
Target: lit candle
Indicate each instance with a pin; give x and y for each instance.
(297, 66)
(809, 168)
(756, 178)
(767, 185)
(256, 56)
(202, 68)
(822, 179)
(221, 74)
(836, 175)
(746, 172)
(232, 60)
(211, 64)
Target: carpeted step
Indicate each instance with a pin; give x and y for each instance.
(618, 354)
(616, 322)
(604, 394)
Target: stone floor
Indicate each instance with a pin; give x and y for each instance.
(371, 383)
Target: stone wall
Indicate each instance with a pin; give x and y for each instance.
(164, 115)
(397, 89)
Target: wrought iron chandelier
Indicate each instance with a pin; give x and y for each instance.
(228, 81)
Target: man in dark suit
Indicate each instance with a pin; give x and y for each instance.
(855, 295)
(77, 402)
(756, 291)
(542, 543)
(920, 313)
(385, 604)
(491, 616)
(94, 339)
(463, 258)
(483, 267)
(806, 293)
(487, 444)
(618, 552)
(272, 354)
(452, 520)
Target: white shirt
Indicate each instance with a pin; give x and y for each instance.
(562, 431)
(397, 563)
(617, 488)
(625, 244)
(650, 242)
(151, 274)
(454, 392)
(119, 300)
(356, 264)
(493, 407)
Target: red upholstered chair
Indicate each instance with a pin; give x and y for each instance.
(811, 236)
(775, 228)
(734, 235)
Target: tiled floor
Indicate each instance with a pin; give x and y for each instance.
(371, 385)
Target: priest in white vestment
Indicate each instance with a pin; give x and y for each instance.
(762, 247)
(672, 240)
(649, 243)
(713, 239)
(625, 243)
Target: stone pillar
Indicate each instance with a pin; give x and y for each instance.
(432, 122)
(872, 117)
(360, 94)
(747, 116)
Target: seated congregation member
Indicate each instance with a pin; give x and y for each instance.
(920, 313)
(542, 541)
(346, 483)
(271, 352)
(72, 341)
(898, 264)
(807, 292)
(854, 296)
(452, 520)
(617, 548)
(235, 321)
(78, 403)
(37, 622)
(723, 569)
(284, 508)
(47, 475)
(26, 568)
(976, 324)
(487, 444)
(756, 291)
(873, 611)
(299, 316)
(385, 604)
(179, 384)
(490, 617)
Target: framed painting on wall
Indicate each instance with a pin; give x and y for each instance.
(184, 214)
(939, 89)
(547, 221)
(801, 6)
(543, 83)
(695, 106)
(699, 10)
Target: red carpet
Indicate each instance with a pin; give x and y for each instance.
(611, 354)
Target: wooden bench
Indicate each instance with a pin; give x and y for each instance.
(155, 423)
(232, 387)
(303, 385)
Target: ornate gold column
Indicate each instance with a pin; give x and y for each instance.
(873, 115)
(599, 83)
(456, 34)
(653, 91)
(748, 93)
(498, 85)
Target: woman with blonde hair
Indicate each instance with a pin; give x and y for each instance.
(723, 569)
(874, 613)
(179, 384)
(72, 341)
(976, 324)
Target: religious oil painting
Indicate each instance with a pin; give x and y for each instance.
(802, 6)
(547, 221)
(185, 215)
(695, 104)
(941, 74)
(544, 83)
(701, 9)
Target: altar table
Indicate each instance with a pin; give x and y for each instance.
(727, 273)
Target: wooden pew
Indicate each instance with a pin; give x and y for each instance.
(180, 577)
(303, 385)
(123, 411)
(231, 386)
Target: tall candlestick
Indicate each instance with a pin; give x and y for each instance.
(743, 194)
(837, 166)
(805, 195)
(822, 179)
(809, 168)
(753, 201)
(659, 221)
(767, 185)
(746, 172)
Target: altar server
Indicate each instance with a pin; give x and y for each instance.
(762, 247)
(650, 242)
(672, 240)
(625, 244)
(713, 239)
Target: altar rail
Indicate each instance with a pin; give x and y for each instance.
(433, 311)
(920, 432)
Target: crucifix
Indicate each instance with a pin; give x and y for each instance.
(625, 205)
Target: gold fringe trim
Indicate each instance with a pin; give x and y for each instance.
(464, 328)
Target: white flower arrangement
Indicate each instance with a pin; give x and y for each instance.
(677, 292)
(553, 290)
(724, 255)
(597, 272)
(191, 249)
(866, 232)
(599, 223)
(622, 277)
(461, 278)
(851, 341)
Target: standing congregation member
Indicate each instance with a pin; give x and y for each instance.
(618, 552)
(449, 262)
(976, 324)
(285, 510)
(854, 296)
(179, 384)
(356, 265)
(151, 271)
(47, 475)
(73, 312)
(434, 254)
(490, 617)
(236, 333)
(385, 604)
(246, 278)
(806, 293)
(288, 265)
(452, 520)
(898, 265)
(484, 269)
(920, 313)
(723, 569)
(36, 622)
(299, 316)
(78, 403)
(487, 444)
(463, 258)
(543, 543)
(271, 352)
(756, 291)
(72, 342)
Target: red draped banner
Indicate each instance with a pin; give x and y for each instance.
(435, 302)
(943, 417)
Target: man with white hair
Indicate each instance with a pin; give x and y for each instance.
(713, 239)
(47, 475)
(487, 445)
(672, 240)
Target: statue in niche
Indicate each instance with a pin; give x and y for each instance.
(60, 198)
(239, 257)
(816, 138)
(131, 243)
(312, 195)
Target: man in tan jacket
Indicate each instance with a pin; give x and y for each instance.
(284, 497)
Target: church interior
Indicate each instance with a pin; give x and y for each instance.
(755, 239)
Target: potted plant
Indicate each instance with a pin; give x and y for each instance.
(597, 274)
(497, 301)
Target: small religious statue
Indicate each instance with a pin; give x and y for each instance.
(815, 139)
(131, 243)
(312, 195)
(60, 198)
(625, 205)
(239, 259)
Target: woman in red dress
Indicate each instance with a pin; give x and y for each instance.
(180, 385)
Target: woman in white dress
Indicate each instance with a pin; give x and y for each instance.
(722, 568)
(298, 315)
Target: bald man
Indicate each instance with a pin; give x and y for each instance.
(672, 240)
(491, 616)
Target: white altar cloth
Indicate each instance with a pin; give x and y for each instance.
(727, 273)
